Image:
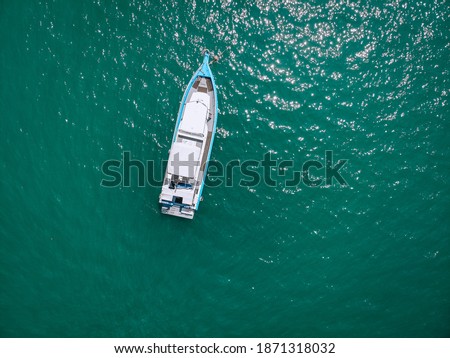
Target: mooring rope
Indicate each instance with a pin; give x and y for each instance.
(215, 58)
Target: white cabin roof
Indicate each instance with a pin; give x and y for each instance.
(201, 97)
(195, 114)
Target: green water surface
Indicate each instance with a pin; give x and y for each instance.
(83, 81)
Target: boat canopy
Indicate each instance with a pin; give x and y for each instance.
(184, 160)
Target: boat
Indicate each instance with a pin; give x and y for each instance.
(192, 142)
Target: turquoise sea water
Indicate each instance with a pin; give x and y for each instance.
(83, 81)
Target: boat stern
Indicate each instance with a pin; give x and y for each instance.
(170, 208)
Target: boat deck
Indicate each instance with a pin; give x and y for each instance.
(204, 85)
